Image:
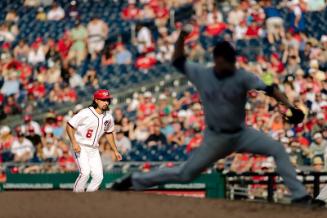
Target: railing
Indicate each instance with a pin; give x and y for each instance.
(271, 179)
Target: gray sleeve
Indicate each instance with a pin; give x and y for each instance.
(252, 81)
(190, 69)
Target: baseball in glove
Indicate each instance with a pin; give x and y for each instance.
(295, 116)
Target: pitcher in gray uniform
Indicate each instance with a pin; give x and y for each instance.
(223, 90)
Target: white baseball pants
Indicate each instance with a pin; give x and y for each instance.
(90, 164)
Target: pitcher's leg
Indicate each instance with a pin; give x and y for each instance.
(253, 141)
(96, 171)
(202, 158)
(84, 171)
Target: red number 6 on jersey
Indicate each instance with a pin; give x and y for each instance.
(89, 133)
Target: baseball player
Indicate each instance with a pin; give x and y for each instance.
(223, 90)
(84, 130)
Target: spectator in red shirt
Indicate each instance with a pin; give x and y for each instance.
(64, 44)
(37, 89)
(131, 12)
(253, 31)
(215, 24)
(69, 94)
(276, 64)
(67, 161)
(195, 142)
(162, 13)
(145, 62)
(147, 108)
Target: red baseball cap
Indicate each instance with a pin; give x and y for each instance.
(27, 118)
(60, 118)
(102, 94)
(5, 45)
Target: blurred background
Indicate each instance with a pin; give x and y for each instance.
(55, 54)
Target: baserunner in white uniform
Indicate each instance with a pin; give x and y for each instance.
(223, 90)
(85, 130)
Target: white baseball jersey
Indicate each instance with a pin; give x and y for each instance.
(34, 125)
(90, 126)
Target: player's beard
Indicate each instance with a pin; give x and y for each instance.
(105, 108)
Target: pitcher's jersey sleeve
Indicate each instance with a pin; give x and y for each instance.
(252, 81)
(76, 120)
(190, 69)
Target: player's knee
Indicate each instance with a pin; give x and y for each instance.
(186, 176)
(85, 173)
(98, 176)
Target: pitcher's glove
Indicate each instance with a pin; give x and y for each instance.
(295, 117)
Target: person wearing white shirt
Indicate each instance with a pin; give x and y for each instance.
(123, 143)
(143, 39)
(50, 151)
(30, 124)
(36, 55)
(75, 79)
(56, 13)
(22, 149)
(85, 130)
(97, 31)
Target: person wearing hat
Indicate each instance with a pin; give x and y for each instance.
(320, 124)
(85, 130)
(29, 125)
(22, 148)
(318, 146)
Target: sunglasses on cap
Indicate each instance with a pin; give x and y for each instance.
(107, 100)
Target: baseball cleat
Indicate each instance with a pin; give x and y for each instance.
(305, 201)
(122, 184)
(318, 203)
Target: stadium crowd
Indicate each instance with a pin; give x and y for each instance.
(296, 60)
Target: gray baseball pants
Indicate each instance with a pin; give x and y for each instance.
(219, 145)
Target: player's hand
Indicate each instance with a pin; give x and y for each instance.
(118, 156)
(76, 148)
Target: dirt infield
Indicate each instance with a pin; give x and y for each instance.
(48, 204)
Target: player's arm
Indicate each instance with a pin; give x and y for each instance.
(296, 115)
(254, 82)
(111, 139)
(179, 58)
(71, 134)
(276, 93)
